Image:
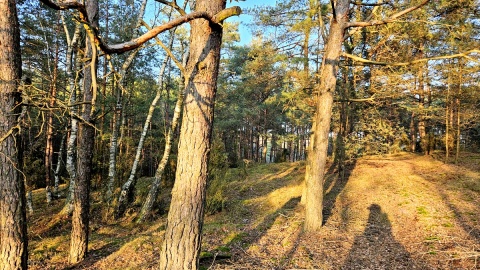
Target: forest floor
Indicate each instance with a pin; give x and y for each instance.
(401, 211)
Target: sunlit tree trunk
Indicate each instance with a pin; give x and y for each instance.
(317, 157)
(182, 240)
(413, 134)
(13, 225)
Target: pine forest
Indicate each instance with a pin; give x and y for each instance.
(239, 134)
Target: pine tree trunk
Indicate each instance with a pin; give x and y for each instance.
(13, 225)
(182, 240)
(317, 158)
(86, 142)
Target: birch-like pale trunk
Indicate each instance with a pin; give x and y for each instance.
(112, 172)
(71, 161)
(153, 193)
(128, 186)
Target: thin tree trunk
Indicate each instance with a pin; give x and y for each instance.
(49, 131)
(59, 164)
(183, 235)
(86, 142)
(153, 193)
(71, 161)
(118, 111)
(447, 122)
(13, 225)
(129, 185)
(457, 104)
(413, 134)
(457, 152)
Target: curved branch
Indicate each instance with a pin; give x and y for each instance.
(387, 20)
(139, 41)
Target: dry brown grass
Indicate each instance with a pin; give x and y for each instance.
(401, 211)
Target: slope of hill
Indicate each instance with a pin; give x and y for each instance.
(400, 211)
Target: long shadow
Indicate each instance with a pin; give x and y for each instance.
(467, 224)
(249, 237)
(339, 182)
(94, 256)
(377, 248)
(462, 218)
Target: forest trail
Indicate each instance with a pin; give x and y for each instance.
(402, 211)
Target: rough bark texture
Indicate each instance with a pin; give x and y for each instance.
(13, 225)
(181, 245)
(86, 141)
(317, 158)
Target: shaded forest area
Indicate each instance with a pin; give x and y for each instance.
(311, 146)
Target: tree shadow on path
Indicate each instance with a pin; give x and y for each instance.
(334, 184)
(377, 248)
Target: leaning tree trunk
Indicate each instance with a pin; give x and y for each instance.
(128, 186)
(182, 240)
(318, 156)
(153, 193)
(86, 141)
(13, 225)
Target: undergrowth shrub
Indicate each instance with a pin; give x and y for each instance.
(375, 137)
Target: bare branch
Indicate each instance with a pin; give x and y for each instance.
(390, 19)
(370, 62)
(358, 3)
(174, 5)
